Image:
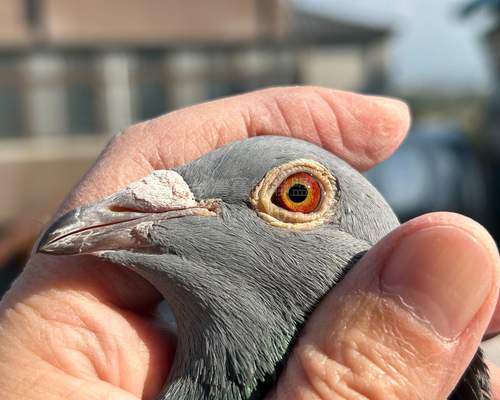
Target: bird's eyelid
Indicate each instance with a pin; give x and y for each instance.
(261, 196)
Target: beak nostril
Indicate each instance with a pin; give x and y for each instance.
(121, 209)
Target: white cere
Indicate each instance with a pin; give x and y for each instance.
(160, 191)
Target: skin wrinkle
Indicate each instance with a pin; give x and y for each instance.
(111, 349)
(316, 131)
(315, 373)
(395, 369)
(40, 373)
(212, 131)
(228, 127)
(258, 117)
(15, 341)
(223, 126)
(11, 382)
(106, 350)
(303, 125)
(314, 384)
(91, 335)
(313, 364)
(108, 346)
(247, 117)
(155, 154)
(364, 359)
(352, 354)
(79, 359)
(22, 311)
(262, 123)
(282, 116)
(114, 345)
(308, 370)
(319, 131)
(142, 160)
(362, 355)
(352, 143)
(361, 346)
(340, 142)
(175, 154)
(306, 125)
(331, 112)
(150, 164)
(336, 336)
(159, 155)
(215, 133)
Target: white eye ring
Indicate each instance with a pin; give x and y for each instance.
(261, 196)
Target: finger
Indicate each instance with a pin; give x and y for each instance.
(52, 337)
(363, 130)
(405, 322)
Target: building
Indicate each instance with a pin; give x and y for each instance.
(72, 73)
(488, 139)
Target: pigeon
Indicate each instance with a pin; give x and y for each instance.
(242, 243)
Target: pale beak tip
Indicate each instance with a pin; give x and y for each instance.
(49, 243)
(44, 243)
(48, 246)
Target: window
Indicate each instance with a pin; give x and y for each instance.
(11, 102)
(82, 92)
(150, 85)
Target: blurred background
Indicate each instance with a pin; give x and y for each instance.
(73, 73)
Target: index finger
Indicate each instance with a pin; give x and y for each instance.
(363, 130)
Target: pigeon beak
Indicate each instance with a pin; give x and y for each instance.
(119, 221)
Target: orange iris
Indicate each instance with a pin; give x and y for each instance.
(300, 192)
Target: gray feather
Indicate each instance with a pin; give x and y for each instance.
(239, 288)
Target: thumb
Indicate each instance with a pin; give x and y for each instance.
(405, 322)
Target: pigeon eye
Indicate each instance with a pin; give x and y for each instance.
(300, 192)
(297, 195)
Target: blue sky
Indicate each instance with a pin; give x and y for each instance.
(432, 46)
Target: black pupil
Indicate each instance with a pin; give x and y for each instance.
(298, 193)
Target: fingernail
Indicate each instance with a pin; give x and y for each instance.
(391, 104)
(443, 274)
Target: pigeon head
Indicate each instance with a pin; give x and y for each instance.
(242, 243)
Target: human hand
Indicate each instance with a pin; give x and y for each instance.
(80, 328)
